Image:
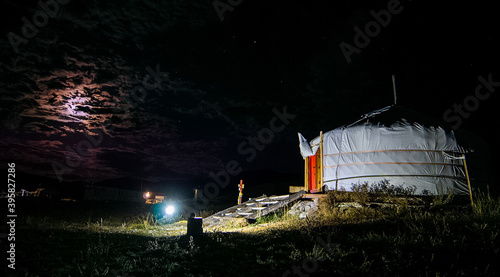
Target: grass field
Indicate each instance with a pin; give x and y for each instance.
(117, 239)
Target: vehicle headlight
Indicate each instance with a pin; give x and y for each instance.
(170, 209)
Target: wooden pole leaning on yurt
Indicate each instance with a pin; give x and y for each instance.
(468, 180)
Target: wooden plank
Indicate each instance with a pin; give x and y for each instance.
(269, 202)
(313, 195)
(242, 213)
(279, 197)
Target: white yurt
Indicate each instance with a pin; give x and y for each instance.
(394, 144)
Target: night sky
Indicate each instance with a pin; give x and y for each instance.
(174, 90)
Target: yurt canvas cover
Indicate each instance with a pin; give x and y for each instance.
(387, 144)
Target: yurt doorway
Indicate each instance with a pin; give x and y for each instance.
(313, 170)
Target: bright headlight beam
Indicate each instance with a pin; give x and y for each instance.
(169, 209)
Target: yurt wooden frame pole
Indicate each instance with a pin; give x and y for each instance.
(468, 180)
(306, 174)
(321, 161)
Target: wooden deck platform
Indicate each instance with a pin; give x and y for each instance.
(252, 209)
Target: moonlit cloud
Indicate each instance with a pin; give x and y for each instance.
(70, 100)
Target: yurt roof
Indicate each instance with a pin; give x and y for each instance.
(391, 115)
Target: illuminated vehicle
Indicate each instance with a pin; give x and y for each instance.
(163, 210)
(153, 197)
